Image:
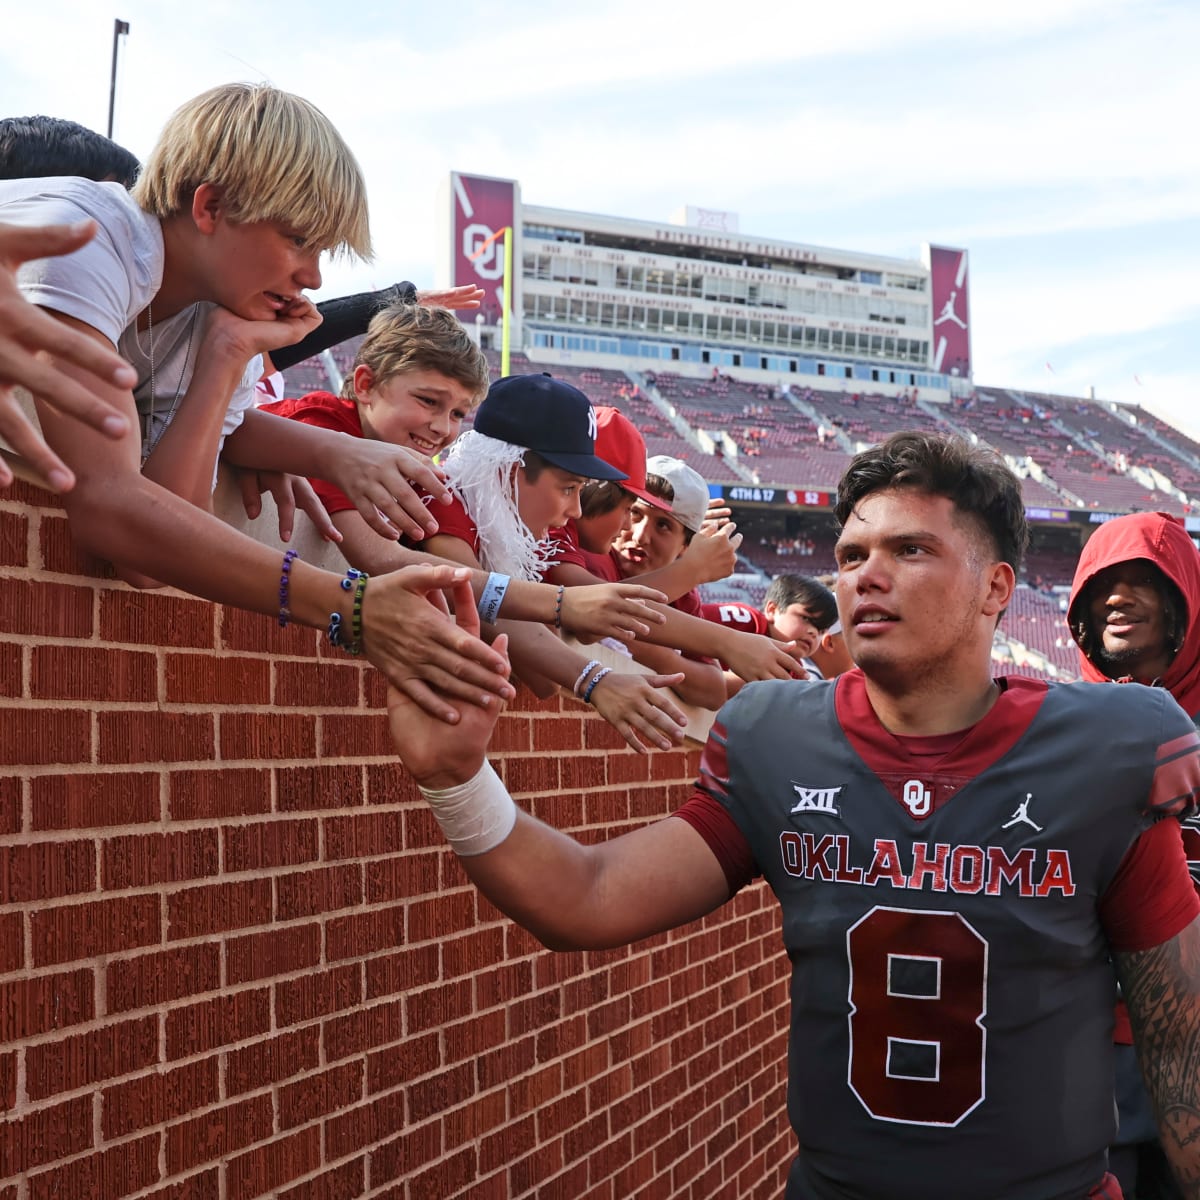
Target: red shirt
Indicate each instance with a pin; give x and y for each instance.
(325, 411)
(454, 521)
(737, 616)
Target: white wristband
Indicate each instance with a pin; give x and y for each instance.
(475, 816)
(493, 597)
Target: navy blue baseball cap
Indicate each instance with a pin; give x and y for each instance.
(547, 416)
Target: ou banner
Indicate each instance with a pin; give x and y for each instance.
(951, 312)
(480, 209)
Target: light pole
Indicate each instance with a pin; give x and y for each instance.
(119, 27)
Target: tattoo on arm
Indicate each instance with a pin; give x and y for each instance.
(1162, 988)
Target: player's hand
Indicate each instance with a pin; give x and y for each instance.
(753, 656)
(467, 296)
(712, 553)
(718, 513)
(28, 336)
(290, 492)
(645, 717)
(437, 661)
(376, 477)
(616, 610)
(436, 753)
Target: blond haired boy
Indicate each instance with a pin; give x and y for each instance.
(192, 278)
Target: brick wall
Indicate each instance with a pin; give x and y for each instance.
(236, 959)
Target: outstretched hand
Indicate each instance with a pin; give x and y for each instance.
(618, 610)
(30, 341)
(469, 295)
(642, 714)
(436, 661)
(436, 752)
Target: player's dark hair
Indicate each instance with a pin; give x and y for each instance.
(978, 482)
(819, 602)
(38, 147)
(1175, 617)
(598, 497)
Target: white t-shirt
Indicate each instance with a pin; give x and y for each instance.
(108, 282)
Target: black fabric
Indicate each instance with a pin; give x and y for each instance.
(343, 318)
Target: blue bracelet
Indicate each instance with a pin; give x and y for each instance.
(285, 613)
(493, 597)
(591, 687)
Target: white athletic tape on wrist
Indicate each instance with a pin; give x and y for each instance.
(475, 816)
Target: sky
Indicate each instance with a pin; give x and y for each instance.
(1054, 139)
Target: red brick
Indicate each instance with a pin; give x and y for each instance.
(10, 669)
(590, 771)
(164, 975)
(108, 1175)
(221, 1021)
(12, 942)
(46, 870)
(143, 859)
(8, 1081)
(95, 799)
(218, 1134)
(452, 1176)
(303, 789)
(403, 876)
(353, 1128)
(241, 630)
(59, 554)
(108, 926)
(393, 1066)
(267, 736)
(402, 1155)
(359, 736)
(266, 844)
(204, 1185)
(40, 1003)
(214, 907)
(272, 1059)
(341, 1183)
(364, 933)
(319, 1094)
(44, 1135)
(303, 893)
(563, 735)
(512, 734)
(363, 835)
(400, 972)
(127, 616)
(364, 1029)
(92, 673)
(473, 952)
(10, 804)
(43, 608)
(525, 776)
(274, 952)
(159, 1096)
(142, 737)
(390, 783)
(213, 679)
(318, 994)
(438, 1006)
(38, 736)
(317, 684)
(447, 913)
(267, 1167)
(69, 1063)
(232, 792)
(14, 539)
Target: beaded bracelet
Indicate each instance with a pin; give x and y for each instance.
(335, 633)
(591, 687)
(285, 579)
(360, 588)
(558, 606)
(584, 675)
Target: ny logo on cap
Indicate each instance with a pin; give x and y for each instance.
(593, 428)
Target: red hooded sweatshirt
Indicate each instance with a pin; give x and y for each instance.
(1162, 540)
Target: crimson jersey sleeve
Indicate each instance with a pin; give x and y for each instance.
(1152, 896)
(565, 548)
(325, 411)
(711, 820)
(454, 521)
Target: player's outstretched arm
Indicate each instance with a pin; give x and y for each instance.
(569, 895)
(1162, 988)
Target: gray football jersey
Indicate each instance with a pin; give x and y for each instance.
(952, 990)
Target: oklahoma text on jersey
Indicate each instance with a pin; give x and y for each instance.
(927, 866)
